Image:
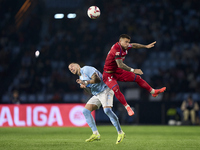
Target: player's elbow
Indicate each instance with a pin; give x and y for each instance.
(120, 65)
(97, 80)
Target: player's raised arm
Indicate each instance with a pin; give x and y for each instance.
(137, 45)
(123, 66)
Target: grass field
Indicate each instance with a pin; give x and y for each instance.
(137, 138)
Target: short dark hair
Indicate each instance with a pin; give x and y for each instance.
(124, 36)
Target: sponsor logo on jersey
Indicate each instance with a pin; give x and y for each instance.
(117, 53)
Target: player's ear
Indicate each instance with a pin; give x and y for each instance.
(78, 65)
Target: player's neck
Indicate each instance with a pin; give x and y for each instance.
(122, 47)
(79, 72)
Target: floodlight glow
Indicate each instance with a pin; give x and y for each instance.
(71, 15)
(59, 16)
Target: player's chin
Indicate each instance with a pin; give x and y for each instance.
(75, 71)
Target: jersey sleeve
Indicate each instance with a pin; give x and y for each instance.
(117, 52)
(129, 46)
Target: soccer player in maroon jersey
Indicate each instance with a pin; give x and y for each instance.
(115, 70)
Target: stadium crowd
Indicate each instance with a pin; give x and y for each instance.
(174, 62)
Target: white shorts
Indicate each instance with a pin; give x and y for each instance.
(104, 98)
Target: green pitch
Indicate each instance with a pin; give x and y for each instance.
(137, 138)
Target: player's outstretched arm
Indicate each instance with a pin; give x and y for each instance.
(123, 66)
(137, 45)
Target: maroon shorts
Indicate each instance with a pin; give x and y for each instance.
(110, 79)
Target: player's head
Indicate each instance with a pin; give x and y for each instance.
(74, 68)
(124, 40)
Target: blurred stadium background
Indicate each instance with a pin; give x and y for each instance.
(30, 25)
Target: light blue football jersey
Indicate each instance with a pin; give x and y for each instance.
(86, 74)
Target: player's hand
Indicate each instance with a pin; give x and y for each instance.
(138, 71)
(79, 81)
(82, 86)
(150, 45)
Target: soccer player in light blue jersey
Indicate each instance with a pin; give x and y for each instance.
(91, 78)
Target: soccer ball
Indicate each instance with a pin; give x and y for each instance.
(93, 12)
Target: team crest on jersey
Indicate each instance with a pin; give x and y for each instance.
(85, 75)
(82, 76)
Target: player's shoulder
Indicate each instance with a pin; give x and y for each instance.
(116, 47)
(87, 69)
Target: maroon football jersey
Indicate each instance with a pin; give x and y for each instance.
(116, 52)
